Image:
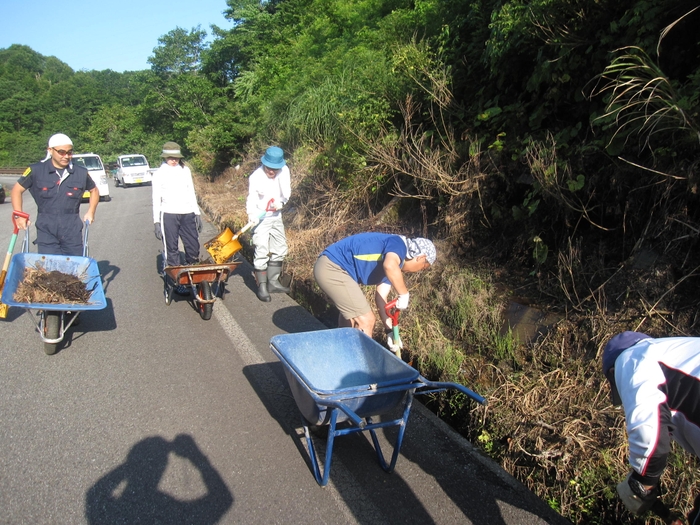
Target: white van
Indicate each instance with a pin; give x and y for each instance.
(96, 169)
(132, 169)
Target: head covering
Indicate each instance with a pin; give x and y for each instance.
(171, 149)
(59, 139)
(612, 351)
(273, 158)
(420, 246)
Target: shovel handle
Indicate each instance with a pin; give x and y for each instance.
(243, 230)
(250, 224)
(16, 215)
(392, 312)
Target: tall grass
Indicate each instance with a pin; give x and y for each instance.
(641, 99)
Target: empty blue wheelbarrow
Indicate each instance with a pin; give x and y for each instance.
(342, 375)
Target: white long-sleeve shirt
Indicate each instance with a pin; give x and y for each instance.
(173, 191)
(659, 385)
(262, 188)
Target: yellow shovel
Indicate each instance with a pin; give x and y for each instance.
(6, 264)
(222, 247)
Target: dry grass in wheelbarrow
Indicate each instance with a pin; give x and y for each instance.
(51, 287)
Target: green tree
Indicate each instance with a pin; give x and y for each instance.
(179, 52)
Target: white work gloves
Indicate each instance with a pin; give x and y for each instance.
(277, 205)
(636, 498)
(394, 346)
(402, 302)
(253, 221)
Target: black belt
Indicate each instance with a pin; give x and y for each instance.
(64, 212)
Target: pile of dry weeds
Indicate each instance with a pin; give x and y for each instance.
(51, 287)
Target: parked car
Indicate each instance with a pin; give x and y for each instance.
(131, 170)
(96, 169)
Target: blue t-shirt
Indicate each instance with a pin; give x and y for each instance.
(362, 255)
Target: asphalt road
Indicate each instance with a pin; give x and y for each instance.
(149, 414)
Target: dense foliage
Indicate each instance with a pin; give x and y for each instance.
(562, 136)
(515, 100)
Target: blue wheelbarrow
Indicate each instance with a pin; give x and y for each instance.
(51, 320)
(343, 376)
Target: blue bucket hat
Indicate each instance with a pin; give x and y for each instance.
(274, 158)
(612, 351)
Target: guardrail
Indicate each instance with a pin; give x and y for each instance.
(12, 171)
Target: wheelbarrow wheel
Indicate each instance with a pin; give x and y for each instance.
(204, 293)
(52, 321)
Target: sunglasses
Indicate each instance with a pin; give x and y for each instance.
(63, 152)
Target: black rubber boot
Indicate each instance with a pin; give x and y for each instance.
(274, 268)
(262, 293)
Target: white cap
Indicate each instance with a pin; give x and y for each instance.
(59, 139)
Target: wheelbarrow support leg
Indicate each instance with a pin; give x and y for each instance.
(321, 477)
(399, 439)
(367, 424)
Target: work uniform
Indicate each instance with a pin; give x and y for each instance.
(57, 194)
(269, 237)
(175, 208)
(659, 385)
(353, 261)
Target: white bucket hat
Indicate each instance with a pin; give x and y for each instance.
(420, 246)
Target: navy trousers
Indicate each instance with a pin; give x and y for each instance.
(180, 226)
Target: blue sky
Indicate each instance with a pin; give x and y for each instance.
(103, 35)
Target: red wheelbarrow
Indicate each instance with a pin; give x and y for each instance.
(206, 282)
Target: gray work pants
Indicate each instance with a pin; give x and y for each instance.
(270, 242)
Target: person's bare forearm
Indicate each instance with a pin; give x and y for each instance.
(394, 274)
(92, 205)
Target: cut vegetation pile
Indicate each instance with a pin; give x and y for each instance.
(51, 287)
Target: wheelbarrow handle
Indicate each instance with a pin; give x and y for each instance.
(85, 238)
(444, 386)
(25, 241)
(357, 420)
(16, 215)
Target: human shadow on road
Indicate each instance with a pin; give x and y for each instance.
(295, 319)
(130, 493)
(108, 272)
